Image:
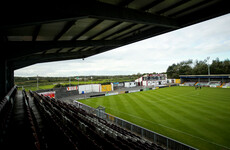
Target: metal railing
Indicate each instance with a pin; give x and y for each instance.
(166, 142)
(6, 105)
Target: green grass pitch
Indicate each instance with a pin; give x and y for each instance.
(200, 118)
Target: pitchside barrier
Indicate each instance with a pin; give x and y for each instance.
(168, 143)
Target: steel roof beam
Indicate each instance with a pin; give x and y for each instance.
(121, 30)
(103, 31)
(205, 13)
(51, 57)
(151, 5)
(172, 6)
(110, 12)
(95, 9)
(30, 47)
(87, 29)
(36, 32)
(61, 44)
(65, 29)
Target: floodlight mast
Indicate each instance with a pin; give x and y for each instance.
(208, 68)
(37, 82)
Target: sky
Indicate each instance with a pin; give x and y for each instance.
(197, 42)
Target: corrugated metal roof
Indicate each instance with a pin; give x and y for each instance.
(40, 33)
(206, 76)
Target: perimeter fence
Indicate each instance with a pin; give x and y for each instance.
(166, 142)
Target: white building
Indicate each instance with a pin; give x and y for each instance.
(152, 80)
(130, 84)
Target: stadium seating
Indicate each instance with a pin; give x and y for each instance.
(214, 83)
(31, 122)
(225, 85)
(83, 130)
(6, 105)
(202, 83)
(189, 83)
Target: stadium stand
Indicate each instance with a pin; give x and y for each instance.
(214, 83)
(214, 80)
(18, 130)
(31, 122)
(202, 83)
(225, 85)
(6, 106)
(189, 83)
(82, 130)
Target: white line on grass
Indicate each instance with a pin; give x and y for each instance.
(165, 126)
(172, 129)
(88, 100)
(162, 99)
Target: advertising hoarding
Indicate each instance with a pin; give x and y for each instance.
(50, 94)
(71, 88)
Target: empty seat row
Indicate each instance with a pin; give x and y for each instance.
(111, 129)
(77, 125)
(6, 105)
(31, 122)
(72, 130)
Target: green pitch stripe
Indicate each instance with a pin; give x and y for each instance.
(196, 117)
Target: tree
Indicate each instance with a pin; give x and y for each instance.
(199, 67)
(171, 71)
(220, 67)
(185, 67)
(182, 68)
(226, 66)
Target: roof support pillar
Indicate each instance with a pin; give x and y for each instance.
(6, 77)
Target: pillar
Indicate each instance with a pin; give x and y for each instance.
(6, 77)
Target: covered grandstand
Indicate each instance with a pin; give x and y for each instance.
(44, 32)
(222, 80)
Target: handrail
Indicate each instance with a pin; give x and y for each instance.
(9, 94)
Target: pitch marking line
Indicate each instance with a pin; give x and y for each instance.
(173, 129)
(167, 127)
(156, 100)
